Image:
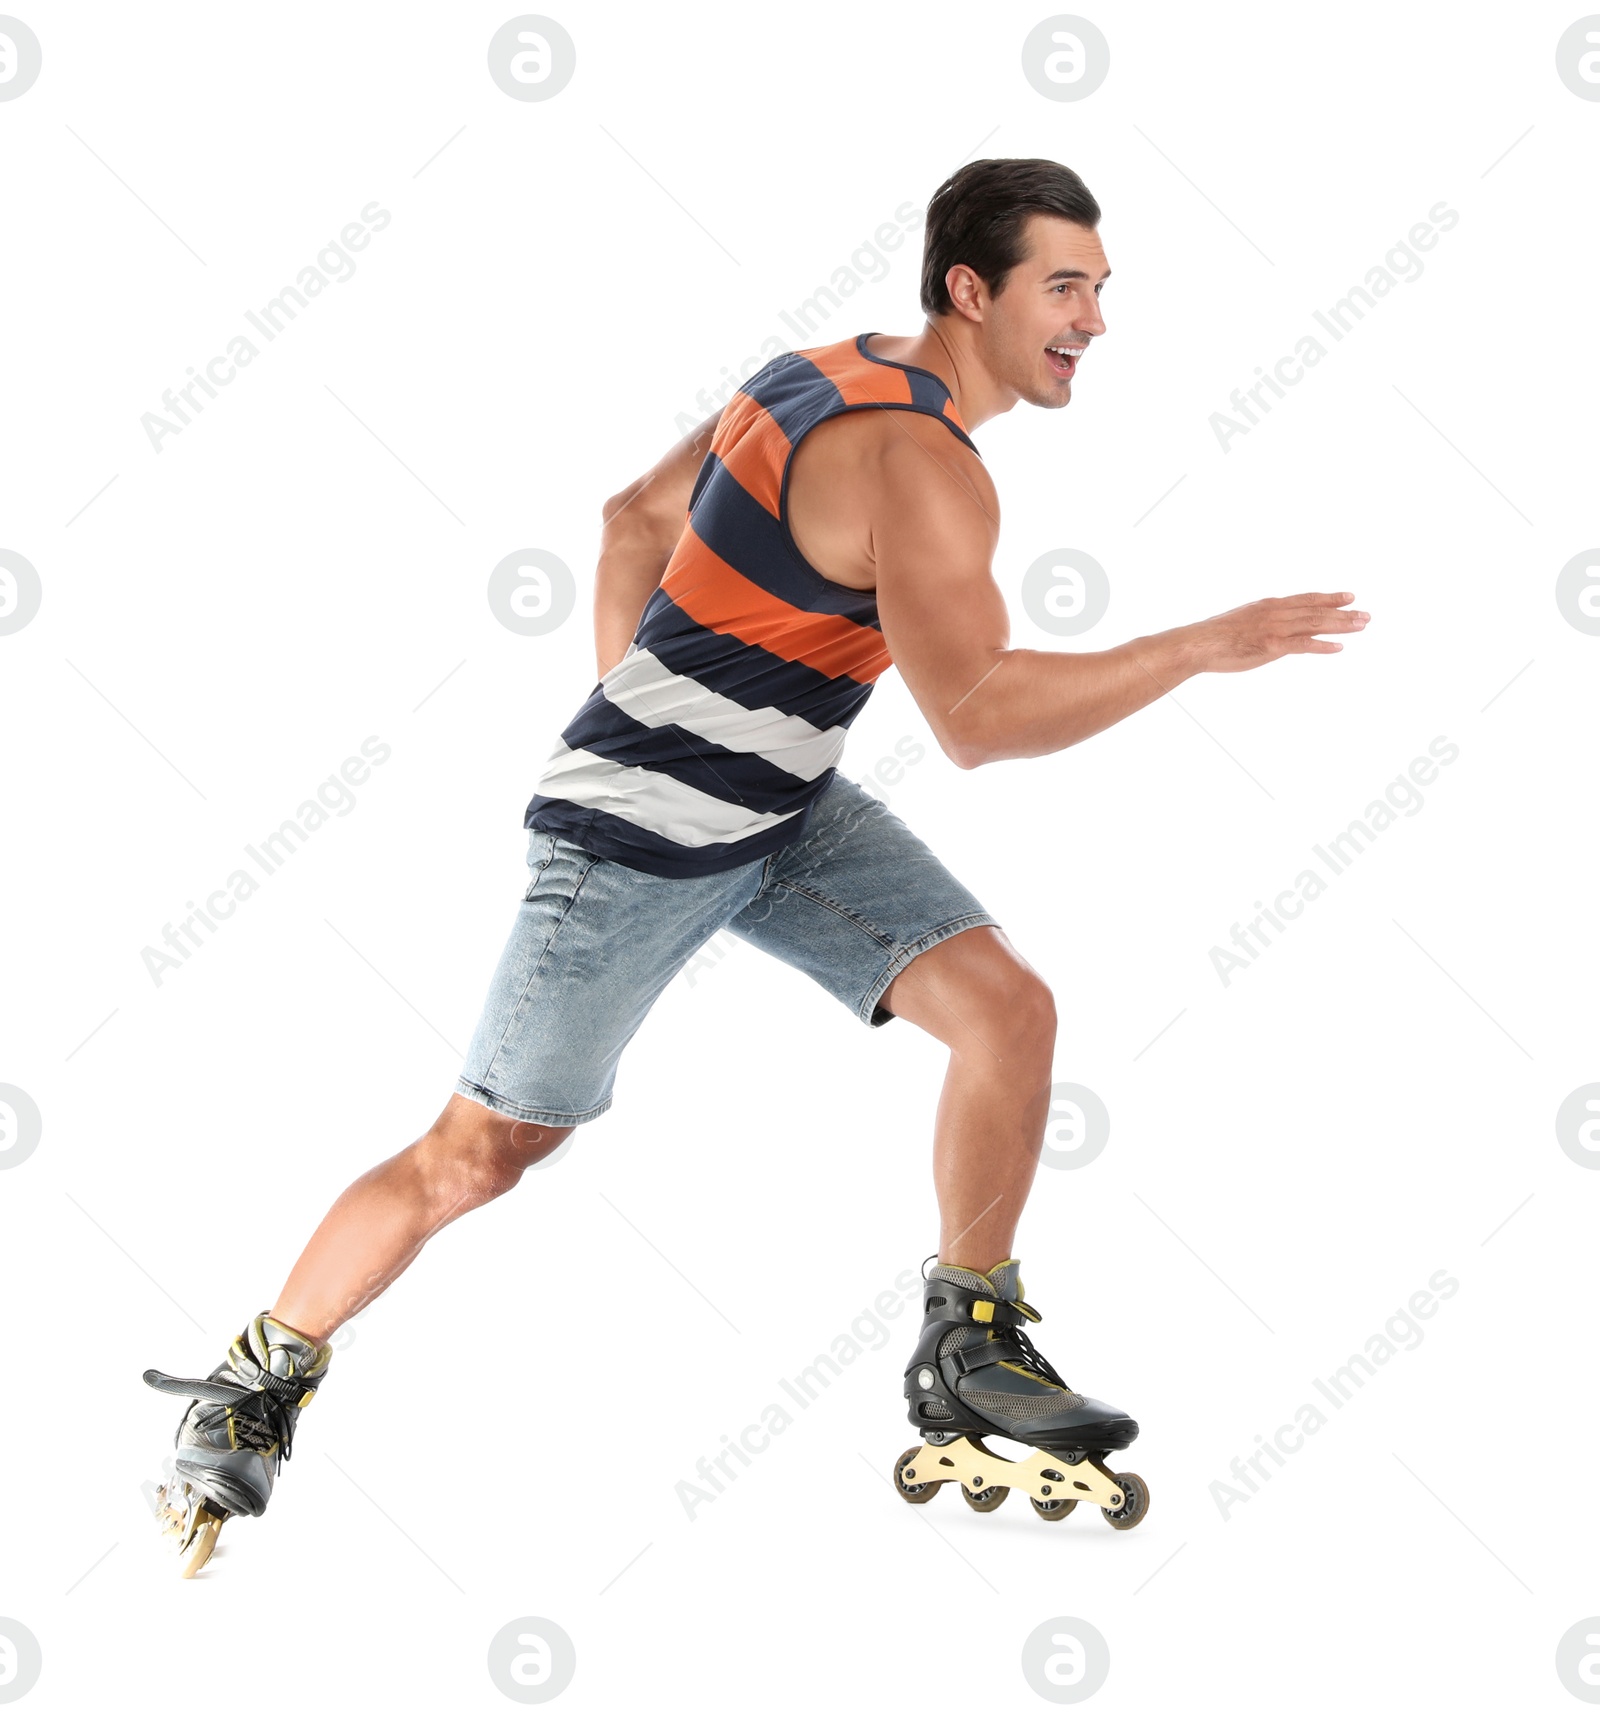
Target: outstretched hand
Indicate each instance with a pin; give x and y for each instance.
(1272, 627)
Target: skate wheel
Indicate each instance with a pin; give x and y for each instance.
(914, 1492)
(986, 1499)
(203, 1542)
(1135, 1502)
(1053, 1509)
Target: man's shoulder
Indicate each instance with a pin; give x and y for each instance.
(917, 455)
(865, 439)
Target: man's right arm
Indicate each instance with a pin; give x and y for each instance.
(935, 527)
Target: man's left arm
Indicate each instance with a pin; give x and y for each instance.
(642, 526)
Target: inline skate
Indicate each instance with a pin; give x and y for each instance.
(237, 1432)
(975, 1375)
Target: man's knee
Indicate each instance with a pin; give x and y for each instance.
(1026, 1016)
(977, 994)
(1036, 1011)
(473, 1154)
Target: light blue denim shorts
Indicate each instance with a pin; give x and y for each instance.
(851, 902)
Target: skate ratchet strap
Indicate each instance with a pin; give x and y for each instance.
(232, 1396)
(208, 1391)
(284, 1390)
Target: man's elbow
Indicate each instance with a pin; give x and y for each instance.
(617, 505)
(964, 749)
(639, 510)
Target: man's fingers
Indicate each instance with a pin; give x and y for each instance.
(1324, 620)
(1317, 600)
(1317, 645)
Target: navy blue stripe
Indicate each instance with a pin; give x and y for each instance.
(732, 524)
(794, 392)
(927, 392)
(740, 778)
(616, 839)
(750, 675)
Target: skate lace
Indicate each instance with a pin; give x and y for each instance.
(1026, 1345)
(261, 1422)
(1041, 1366)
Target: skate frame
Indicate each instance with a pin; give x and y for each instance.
(189, 1524)
(1041, 1473)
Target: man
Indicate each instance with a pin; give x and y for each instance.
(839, 519)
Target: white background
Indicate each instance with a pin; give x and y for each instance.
(1370, 1102)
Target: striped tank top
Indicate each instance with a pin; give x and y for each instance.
(708, 744)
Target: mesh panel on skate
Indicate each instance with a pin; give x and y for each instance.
(960, 1275)
(1013, 1408)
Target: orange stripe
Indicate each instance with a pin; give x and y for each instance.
(754, 450)
(737, 417)
(860, 379)
(719, 597)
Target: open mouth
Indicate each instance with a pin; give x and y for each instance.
(1063, 360)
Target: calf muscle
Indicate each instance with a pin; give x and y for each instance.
(380, 1224)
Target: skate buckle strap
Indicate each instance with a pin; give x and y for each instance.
(1002, 1347)
(994, 1312)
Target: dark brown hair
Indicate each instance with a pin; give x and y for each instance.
(978, 215)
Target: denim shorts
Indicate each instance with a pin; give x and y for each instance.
(850, 902)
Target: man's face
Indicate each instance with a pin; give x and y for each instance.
(1048, 311)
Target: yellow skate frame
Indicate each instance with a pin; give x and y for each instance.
(189, 1528)
(1041, 1474)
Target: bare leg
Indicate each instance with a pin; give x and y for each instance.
(976, 995)
(377, 1227)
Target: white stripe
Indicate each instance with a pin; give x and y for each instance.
(649, 799)
(643, 686)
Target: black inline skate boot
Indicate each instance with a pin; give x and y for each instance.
(238, 1430)
(975, 1375)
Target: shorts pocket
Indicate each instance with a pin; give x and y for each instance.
(541, 850)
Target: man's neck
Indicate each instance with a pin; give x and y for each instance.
(951, 357)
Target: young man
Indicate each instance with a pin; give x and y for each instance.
(833, 519)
